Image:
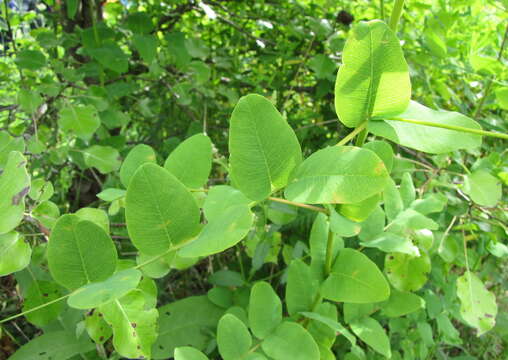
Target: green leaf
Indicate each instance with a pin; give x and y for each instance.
(79, 120)
(30, 59)
(334, 325)
(401, 303)
(41, 190)
(433, 203)
(428, 139)
(72, 8)
(54, 345)
(357, 311)
(221, 233)
(140, 23)
(96, 327)
(355, 279)
(191, 161)
(97, 216)
(80, 252)
(139, 155)
(15, 253)
(39, 293)
(393, 204)
(406, 272)
(29, 101)
(226, 278)
(233, 338)
(220, 198)
(373, 334)
(160, 211)
(360, 211)
(502, 97)
(188, 353)
(134, 326)
(407, 190)
(14, 185)
(338, 175)
(146, 45)
(373, 79)
(322, 66)
(111, 194)
(318, 240)
(106, 159)
(265, 310)
(383, 150)
(93, 295)
(478, 306)
(343, 226)
(46, 213)
(389, 242)
(8, 144)
(484, 189)
(187, 322)
(263, 148)
(157, 268)
(291, 341)
(111, 56)
(301, 287)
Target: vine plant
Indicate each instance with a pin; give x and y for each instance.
(368, 252)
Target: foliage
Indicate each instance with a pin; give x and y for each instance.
(175, 182)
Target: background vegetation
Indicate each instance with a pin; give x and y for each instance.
(84, 82)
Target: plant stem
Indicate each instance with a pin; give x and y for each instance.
(305, 206)
(455, 128)
(360, 140)
(352, 134)
(35, 308)
(329, 254)
(491, 79)
(396, 12)
(382, 9)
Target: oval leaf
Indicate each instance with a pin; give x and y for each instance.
(263, 148)
(159, 210)
(338, 175)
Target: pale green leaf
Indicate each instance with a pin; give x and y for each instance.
(220, 198)
(14, 186)
(334, 325)
(355, 279)
(8, 144)
(134, 326)
(79, 120)
(265, 310)
(221, 233)
(478, 305)
(15, 253)
(484, 189)
(41, 292)
(263, 148)
(191, 161)
(187, 322)
(301, 287)
(159, 210)
(97, 216)
(373, 79)
(233, 338)
(428, 139)
(80, 252)
(188, 353)
(54, 345)
(389, 242)
(106, 159)
(139, 155)
(93, 295)
(291, 341)
(373, 334)
(401, 303)
(338, 174)
(46, 213)
(406, 272)
(111, 194)
(96, 327)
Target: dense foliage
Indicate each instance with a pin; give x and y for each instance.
(253, 180)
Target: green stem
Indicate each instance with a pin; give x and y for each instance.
(352, 134)
(305, 206)
(454, 127)
(382, 8)
(329, 254)
(360, 140)
(396, 12)
(34, 309)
